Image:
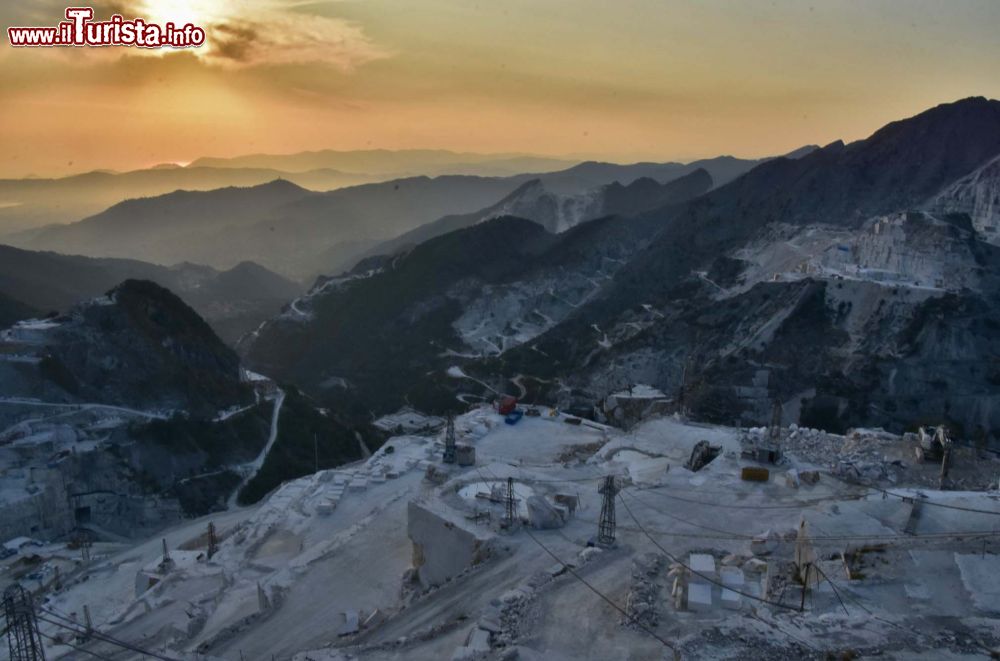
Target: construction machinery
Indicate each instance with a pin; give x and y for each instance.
(931, 446)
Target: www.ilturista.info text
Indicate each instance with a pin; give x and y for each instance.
(80, 30)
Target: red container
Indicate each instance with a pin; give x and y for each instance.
(506, 405)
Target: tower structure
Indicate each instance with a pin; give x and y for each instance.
(775, 430)
(510, 507)
(449, 441)
(213, 540)
(23, 639)
(606, 526)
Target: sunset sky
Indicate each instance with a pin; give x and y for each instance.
(623, 80)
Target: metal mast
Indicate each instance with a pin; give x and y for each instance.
(606, 527)
(213, 540)
(449, 441)
(23, 639)
(511, 510)
(775, 431)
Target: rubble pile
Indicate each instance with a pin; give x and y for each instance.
(874, 456)
(861, 456)
(511, 607)
(643, 596)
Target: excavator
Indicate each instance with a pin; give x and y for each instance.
(932, 446)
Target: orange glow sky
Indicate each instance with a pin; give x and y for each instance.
(624, 80)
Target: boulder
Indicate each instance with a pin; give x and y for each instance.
(542, 515)
(792, 479)
(765, 544)
(809, 477)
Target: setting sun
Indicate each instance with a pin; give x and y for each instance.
(201, 13)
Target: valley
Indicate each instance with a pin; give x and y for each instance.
(496, 407)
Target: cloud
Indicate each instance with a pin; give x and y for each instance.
(239, 34)
(276, 38)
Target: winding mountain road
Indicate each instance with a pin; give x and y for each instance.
(23, 401)
(249, 470)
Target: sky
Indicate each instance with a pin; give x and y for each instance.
(626, 80)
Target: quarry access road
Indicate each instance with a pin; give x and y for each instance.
(255, 465)
(23, 401)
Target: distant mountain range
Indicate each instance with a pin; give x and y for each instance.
(851, 284)
(233, 301)
(399, 163)
(556, 213)
(29, 204)
(302, 233)
(378, 331)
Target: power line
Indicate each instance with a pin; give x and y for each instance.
(100, 636)
(600, 594)
(835, 590)
(797, 506)
(804, 505)
(944, 536)
(697, 573)
(727, 534)
(689, 523)
(860, 605)
(925, 501)
(577, 576)
(107, 639)
(76, 647)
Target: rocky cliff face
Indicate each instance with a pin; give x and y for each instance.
(978, 196)
(233, 301)
(138, 346)
(807, 280)
(544, 202)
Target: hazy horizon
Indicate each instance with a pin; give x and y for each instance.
(636, 81)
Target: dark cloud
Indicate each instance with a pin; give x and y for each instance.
(232, 41)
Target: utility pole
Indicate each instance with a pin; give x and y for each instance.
(805, 557)
(775, 431)
(682, 391)
(942, 437)
(805, 587)
(167, 563)
(82, 541)
(23, 639)
(511, 510)
(449, 441)
(88, 623)
(213, 540)
(606, 526)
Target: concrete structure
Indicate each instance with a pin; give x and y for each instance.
(732, 577)
(702, 563)
(699, 597)
(443, 547)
